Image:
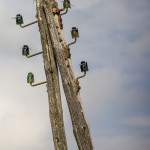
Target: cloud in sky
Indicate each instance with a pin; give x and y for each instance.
(123, 143)
(138, 121)
(114, 39)
(82, 4)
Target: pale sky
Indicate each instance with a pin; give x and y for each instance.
(115, 40)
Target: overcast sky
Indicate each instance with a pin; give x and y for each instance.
(115, 40)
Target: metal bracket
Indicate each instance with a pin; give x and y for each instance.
(26, 52)
(29, 56)
(37, 84)
(23, 26)
(82, 76)
(65, 12)
(75, 40)
(30, 80)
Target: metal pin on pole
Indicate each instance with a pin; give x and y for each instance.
(30, 80)
(75, 35)
(20, 22)
(29, 24)
(26, 52)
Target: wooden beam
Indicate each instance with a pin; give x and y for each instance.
(53, 87)
(80, 127)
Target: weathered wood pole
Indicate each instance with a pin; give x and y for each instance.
(80, 127)
(53, 87)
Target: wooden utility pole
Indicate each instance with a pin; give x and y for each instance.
(80, 127)
(53, 87)
(56, 57)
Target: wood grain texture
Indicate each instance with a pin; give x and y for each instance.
(80, 127)
(53, 87)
